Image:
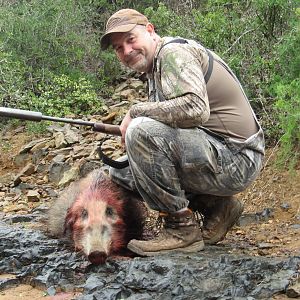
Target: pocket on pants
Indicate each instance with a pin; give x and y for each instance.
(240, 171)
(199, 152)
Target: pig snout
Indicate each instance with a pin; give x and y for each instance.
(96, 243)
(97, 257)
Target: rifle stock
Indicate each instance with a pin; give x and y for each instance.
(37, 117)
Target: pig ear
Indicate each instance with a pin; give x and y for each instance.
(69, 222)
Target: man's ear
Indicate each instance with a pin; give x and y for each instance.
(150, 28)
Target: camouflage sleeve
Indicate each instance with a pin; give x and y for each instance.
(183, 86)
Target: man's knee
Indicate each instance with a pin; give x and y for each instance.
(141, 129)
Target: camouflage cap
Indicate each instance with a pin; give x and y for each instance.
(123, 20)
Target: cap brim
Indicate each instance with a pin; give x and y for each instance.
(105, 39)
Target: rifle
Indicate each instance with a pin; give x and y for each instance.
(37, 117)
(99, 127)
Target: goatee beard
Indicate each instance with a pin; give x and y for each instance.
(140, 65)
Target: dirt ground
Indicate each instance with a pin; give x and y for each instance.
(25, 291)
(276, 193)
(275, 196)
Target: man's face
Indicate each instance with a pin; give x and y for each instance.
(136, 48)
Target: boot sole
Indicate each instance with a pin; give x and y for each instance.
(195, 247)
(219, 237)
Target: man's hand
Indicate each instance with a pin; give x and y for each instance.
(124, 125)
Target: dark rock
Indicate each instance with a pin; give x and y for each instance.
(71, 136)
(294, 290)
(210, 274)
(25, 186)
(17, 180)
(18, 218)
(93, 283)
(29, 169)
(285, 206)
(51, 192)
(55, 128)
(255, 218)
(8, 282)
(57, 170)
(265, 214)
(247, 219)
(30, 145)
(43, 208)
(265, 245)
(59, 158)
(33, 196)
(41, 167)
(295, 226)
(51, 291)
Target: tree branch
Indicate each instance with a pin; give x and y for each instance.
(237, 40)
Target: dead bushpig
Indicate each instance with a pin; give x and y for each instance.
(99, 216)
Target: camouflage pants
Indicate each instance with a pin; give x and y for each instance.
(168, 163)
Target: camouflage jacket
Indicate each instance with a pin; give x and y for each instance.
(179, 96)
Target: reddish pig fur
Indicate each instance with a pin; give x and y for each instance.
(99, 216)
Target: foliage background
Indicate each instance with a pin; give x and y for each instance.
(50, 59)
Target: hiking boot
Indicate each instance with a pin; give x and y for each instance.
(220, 214)
(181, 232)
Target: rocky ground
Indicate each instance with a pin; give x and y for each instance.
(34, 169)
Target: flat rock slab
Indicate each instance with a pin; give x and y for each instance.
(211, 274)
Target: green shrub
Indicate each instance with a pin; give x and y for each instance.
(37, 129)
(110, 69)
(288, 106)
(62, 96)
(167, 22)
(51, 61)
(48, 34)
(51, 56)
(12, 81)
(286, 89)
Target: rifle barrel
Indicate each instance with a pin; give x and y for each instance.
(67, 120)
(20, 114)
(37, 117)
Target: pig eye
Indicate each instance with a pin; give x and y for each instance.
(109, 211)
(84, 214)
